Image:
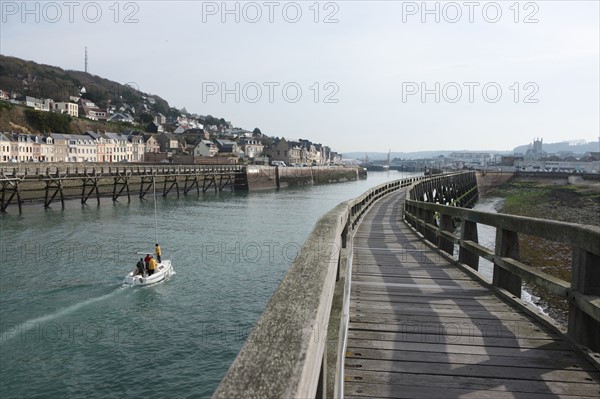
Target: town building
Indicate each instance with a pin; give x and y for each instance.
(251, 147)
(87, 109)
(66, 108)
(75, 147)
(6, 143)
(205, 148)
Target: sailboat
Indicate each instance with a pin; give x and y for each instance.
(164, 268)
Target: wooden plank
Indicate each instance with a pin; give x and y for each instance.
(393, 280)
(490, 330)
(540, 359)
(362, 312)
(407, 303)
(431, 334)
(478, 370)
(555, 350)
(430, 297)
(501, 391)
(386, 271)
(450, 291)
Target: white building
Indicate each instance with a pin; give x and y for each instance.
(47, 149)
(118, 148)
(66, 108)
(5, 148)
(559, 166)
(73, 148)
(474, 159)
(205, 148)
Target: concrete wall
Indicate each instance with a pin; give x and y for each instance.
(268, 177)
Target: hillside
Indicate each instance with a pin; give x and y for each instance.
(28, 78)
(565, 146)
(14, 118)
(46, 81)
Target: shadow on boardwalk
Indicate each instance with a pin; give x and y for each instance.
(421, 328)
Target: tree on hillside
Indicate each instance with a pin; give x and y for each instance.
(48, 121)
(256, 131)
(146, 118)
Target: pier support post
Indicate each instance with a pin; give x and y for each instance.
(585, 279)
(507, 244)
(443, 243)
(170, 178)
(10, 185)
(89, 181)
(54, 182)
(146, 179)
(468, 232)
(121, 179)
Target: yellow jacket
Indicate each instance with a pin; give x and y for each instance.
(152, 264)
(158, 250)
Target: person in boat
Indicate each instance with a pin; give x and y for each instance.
(158, 252)
(147, 260)
(152, 266)
(140, 268)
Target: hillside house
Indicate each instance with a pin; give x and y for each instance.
(205, 148)
(227, 147)
(87, 109)
(66, 108)
(251, 147)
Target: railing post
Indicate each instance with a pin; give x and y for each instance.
(429, 218)
(507, 244)
(585, 279)
(443, 243)
(468, 232)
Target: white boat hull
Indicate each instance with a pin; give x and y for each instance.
(163, 271)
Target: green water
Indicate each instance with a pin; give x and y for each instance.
(69, 328)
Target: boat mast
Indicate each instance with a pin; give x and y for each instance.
(155, 213)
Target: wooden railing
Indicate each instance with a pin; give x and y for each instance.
(286, 355)
(435, 222)
(33, 171)
(297, 347)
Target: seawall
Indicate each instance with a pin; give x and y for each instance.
(261, 177)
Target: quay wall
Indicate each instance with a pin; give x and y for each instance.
(262, 177)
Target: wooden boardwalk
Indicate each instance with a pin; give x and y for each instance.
(422, 328)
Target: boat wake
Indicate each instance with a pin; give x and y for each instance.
(31, 324)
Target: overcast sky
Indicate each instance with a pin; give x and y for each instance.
(355, 75)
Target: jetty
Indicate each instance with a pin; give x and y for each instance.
(385, 301)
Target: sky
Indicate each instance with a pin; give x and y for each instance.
(354, 75)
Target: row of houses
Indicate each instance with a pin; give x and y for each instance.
(586, 164)
(302, 152)
(134, 146)
(88, 147)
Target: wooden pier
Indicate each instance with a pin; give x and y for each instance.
(420, 327)
(384, 300)
(52, 183)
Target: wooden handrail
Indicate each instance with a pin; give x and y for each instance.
(582, 236)
(583, 292)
